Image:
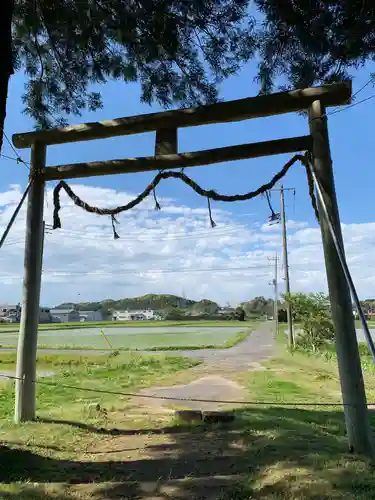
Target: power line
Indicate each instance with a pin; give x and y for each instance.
(154, 237)
(201, 231)
(9, 157)
(14, 215)
(80, 235)
(148, 279)
(340, 110)
(371, 80)
(19, 159)
(222, 230)
(13, 242)
(157, 271)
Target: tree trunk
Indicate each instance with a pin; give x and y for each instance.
(6, 59)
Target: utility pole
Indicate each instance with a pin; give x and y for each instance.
(351, 378)
(286, 268)
(42, 248)
(28, 335)
(276, 295)
(286, 262)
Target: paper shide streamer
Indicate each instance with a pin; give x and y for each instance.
(210, 195)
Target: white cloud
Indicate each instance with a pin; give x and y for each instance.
(228, 263)
(11, 196)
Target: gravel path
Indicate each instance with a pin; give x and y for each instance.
(214, 378)
(256, 348)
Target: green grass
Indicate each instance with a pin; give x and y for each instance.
(59, 361)
(58, 405)
(14, 327)
(358, 323)
(300, 452)
(124, 373)
(286, 450)
(270, 452)
(166, 341)
(230, 342)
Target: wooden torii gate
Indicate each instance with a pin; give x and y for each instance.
(166, 125)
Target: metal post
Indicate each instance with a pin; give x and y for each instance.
(286, 268)
(28, 335)
(351, 377)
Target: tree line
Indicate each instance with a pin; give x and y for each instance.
(178, 51)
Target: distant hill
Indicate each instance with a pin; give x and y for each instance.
(156, 302)
(174, 306)
(259, 306)
(204, 306)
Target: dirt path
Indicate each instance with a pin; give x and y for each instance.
(215, 378)
(181, 463)
(257, 347)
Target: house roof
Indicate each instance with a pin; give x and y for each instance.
(134, 311)
(62, 311)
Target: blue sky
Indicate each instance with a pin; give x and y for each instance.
(71, 269)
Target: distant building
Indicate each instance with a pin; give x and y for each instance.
(369, 315)
(90, 315)
(64, 315)
(45, 315)
(10, 313)
(135, 315)
(225, 310)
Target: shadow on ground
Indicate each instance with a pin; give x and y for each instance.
(272, 453)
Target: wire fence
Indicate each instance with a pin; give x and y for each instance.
(188, 400)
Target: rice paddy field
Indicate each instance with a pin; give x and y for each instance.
(136, 337)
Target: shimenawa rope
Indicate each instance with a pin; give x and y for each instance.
(211, 195)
